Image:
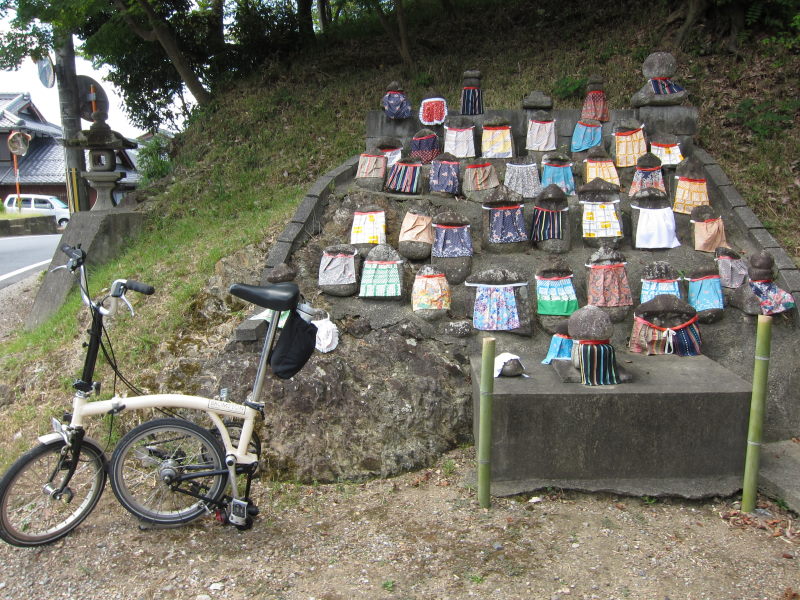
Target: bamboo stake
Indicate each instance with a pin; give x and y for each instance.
(760, 377)
(485, 423)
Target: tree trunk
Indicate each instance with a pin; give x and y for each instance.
(399, 40)
(338, 11)
(449, 9)
(324, 9)
(217, 30)
(694, 9)
(159, 32)
(305, 19)
(405, 52)
(71, 120)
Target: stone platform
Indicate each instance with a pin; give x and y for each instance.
(680, 429)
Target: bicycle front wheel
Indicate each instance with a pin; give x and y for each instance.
(168, 471)
(30, 515)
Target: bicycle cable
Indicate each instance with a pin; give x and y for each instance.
(111, 359)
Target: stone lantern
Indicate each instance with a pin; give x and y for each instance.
(102, 143)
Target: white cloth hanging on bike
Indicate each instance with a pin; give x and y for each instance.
(327, 335)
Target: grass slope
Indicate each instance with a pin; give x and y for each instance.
(244, 162)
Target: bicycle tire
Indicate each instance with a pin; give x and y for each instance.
(31, 517)
(164, 448)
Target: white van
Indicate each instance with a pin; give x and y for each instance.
(39, 204)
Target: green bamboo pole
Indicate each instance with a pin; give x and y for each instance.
(485, 424)
(760, 376)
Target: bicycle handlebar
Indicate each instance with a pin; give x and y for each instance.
(138, 286)
(76, 262)
(76, 256)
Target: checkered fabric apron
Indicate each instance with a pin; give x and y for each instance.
(597, 362)
(555, 296)
(430, 292)
(709, 235)
(433, 111)
(603, 169)
(451, 241)
(732, 271)
(648, 338)
(404, 178)
(647, 177)
(495, 307)
(773, 299)
(480, 177)
(523, 179)
(547, 224)
(561, 175)
(337, 268)
(560, 349)
(600, 220)
(705, 293)
(368, 228)
(585, 136)
(416, 228)
(607, 285)
(459, 142)
(396, 105)
(541, 136)
(506, 224)
(656, 228)
(444, 176)
(690, 193)
(371, 165)
(669, 154)
(425, 147)
(595, 106)
(629, 145)
(496, 142)
(664, 85)
(380, 279)
(471, 101)
(657, 287)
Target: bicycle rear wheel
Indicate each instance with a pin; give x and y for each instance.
(29, 515)
(168, 471)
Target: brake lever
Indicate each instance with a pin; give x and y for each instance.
(54, 269)
(128, 304)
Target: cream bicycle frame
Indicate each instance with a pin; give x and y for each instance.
(215, 409)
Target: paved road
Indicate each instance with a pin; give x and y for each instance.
(22, 256)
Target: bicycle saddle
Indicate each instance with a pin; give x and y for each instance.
(277, 296)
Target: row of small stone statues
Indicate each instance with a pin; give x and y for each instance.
(660, 90)
(664, 323)
(387, 167)
(509, 224)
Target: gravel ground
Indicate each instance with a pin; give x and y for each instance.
(16, 300)
(421, 535)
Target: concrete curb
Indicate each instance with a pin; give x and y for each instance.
(722, 191)
(28, 226)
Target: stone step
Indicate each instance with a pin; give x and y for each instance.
(679, 429)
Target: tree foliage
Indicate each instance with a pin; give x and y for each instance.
(157, 49)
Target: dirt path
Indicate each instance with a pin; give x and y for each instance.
(422, 536)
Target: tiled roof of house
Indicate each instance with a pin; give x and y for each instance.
(18, 112)
(44, 162)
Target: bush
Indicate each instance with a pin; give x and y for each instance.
(569, 87)
(154, 162)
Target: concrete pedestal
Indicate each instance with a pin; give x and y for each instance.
(680, 428)
(103, 183)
